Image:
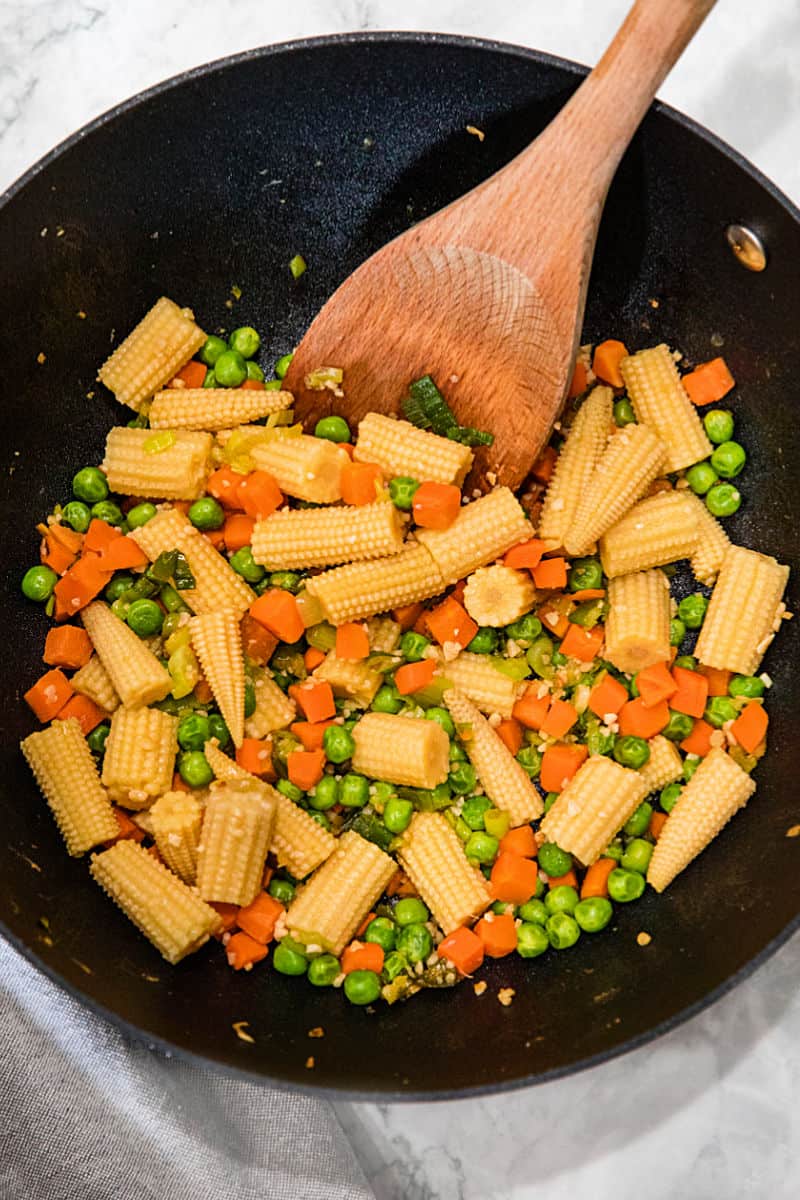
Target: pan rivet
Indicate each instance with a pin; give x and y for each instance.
(747, 246)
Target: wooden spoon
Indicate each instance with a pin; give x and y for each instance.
(487, 295)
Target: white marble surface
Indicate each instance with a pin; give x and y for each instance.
(709, 1110)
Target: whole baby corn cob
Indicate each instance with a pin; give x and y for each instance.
(575, 465)
(135, 673)
(434, 860)
(163, 342)
(659, 400)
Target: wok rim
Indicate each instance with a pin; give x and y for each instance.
(392, 1095)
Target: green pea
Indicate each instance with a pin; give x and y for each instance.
(230, 369)
(679, 726)
(397, 814)
(746, 685)
(287, 961)
(482, 847)
(631, 752)
(532, 940)
(210, 380)
(598, 741)
(639, 821)
(728, 460)
(533, 911)
(140, 514)
(145, 618)
(354, 791)
(501, 907)
(211, 350)
(219, 730)
(473, 811)
(462, 779)
(245, 341)
(637, 855)
(332, 429)
(554, 861)
(108, 511)
(194, 731)
(457, 753)
(530, 760)
(623, 413)
(38, 583)
(193, 769)
(413, 646)
(690, 765)
(723, 500)
(593, 913)
(669, 796)
(720, 710)
(561, 899)
(323, 969)
(562, 930)
(677, 631)
(290, 790)
(282, 890)
(687, 661)
(624, 886)
(362, 987)
(245, 565)
(254, 371)
(410, 911)
(613, 850)
(718, 424)
(692, 610)
(539, 656)
(325, 794)
(442, 717)
(382, 931)
(282, 365)
(90, 485)
(207, 513)
(585, 573)
(402, 490)
(525, 629)
(118, 586)
(288, 581)
(701, 477)
(484, 642)
(387, 700)
(96, 740)
(76, 514)
(120, 606)
(338, 744)
(415, 942)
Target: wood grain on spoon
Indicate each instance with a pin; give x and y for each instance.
(488, 294)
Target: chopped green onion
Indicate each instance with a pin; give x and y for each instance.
(297, 266)
(159, 442)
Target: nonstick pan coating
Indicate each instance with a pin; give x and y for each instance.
(328, 149)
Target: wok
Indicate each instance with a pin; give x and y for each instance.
(328, 148)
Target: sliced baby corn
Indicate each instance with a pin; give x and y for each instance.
(94, 681)
(434, 860)
(235, 839)
(637, 626)
(405, 750)
(217, 642)
(664, 765)
(744, 612)
(360, 589)
(176, 818)
(504, 780)
(139, 758)
(593, 807)
(309, 468)
(324, 537)
(214, 408)
(658, 530)
(575, 465)
(399, 448)
(483, 531)
(171, 466)
(498, 595)
(135, 673)
(712, 541)
(163, 342)
(660, 400)
(477, 678)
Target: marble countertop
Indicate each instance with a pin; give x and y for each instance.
(710, 1109)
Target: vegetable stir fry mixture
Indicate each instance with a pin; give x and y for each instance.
(310, 695)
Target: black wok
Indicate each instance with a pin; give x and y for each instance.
(328, 148)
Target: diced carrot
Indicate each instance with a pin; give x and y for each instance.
(709, 382)
(464, 949)
(458, 589)
(699, 740)
(636, 719)
(545, 464)
(510, 733)
(513, 878)
(691, 694)
(255, 755)
(216, 537)
(436, 505)
(450, 622)
(238, 531)
(499, 935)
(202, 691)
(655, 683)
(313, 657)
(588, 594)
(579, 381)
(555, 622)
(226, 912)
(718, 680)
(551, 573)
(421, 623)
(178, 784)
(254, 385)
(750, 727)
(400, 885)
(570, 879)
(58, 558)
(84, 711)
(526, 555)
(583, 644)
(258, 643)
(64, 536)
(559, 763)
(310, 733)
(99, 536)
(521, 841)
(192, 375)
(413, 676)
(49, 695)
(128, 829)
(182, 506)
(315, 697)
(608, 696)
(605, 364)
(362, 929)
(595, 881)
(223, 484)
(67, 646)
(77, 586)
(361, 482)
(352, 640)
(259, 494)
(258, 918)
(121, 555)
(406, 615)
(362, 956)
(277, 611)
(305, 768)
(243, 951)
(153, 852)
(560, 718)
(657, 823)
(531, 709)
(348, 448)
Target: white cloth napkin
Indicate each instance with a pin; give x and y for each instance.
(87, 1113)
